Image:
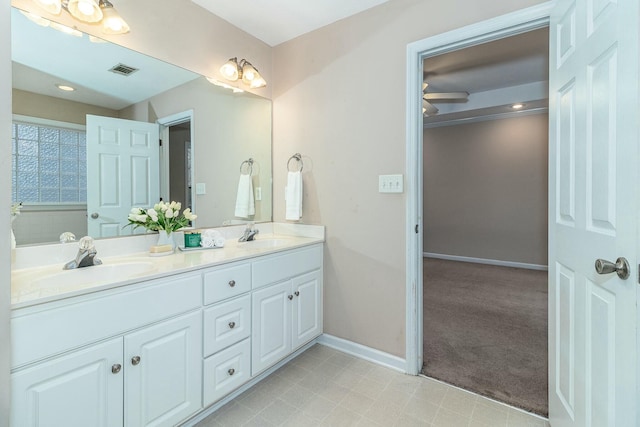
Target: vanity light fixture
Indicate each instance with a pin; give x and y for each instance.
(233, 70)
(89, 11)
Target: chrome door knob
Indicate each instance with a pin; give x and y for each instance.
(232, 325)
(232, 283)
(621, 267)
(95, 215)
(231, 371)
(116, 368)
(135, 360)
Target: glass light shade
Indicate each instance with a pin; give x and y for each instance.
(258, 82)
(85, 10)
(51, 6)
(249, 73)
(230, 69)
(112, 22)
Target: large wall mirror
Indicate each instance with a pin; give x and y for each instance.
(208, 135)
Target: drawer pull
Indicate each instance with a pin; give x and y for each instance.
(232, 325)
(297, 293)
(290, 297)
(135, 360)
(232, 283)
(231, 371)
(116, 368)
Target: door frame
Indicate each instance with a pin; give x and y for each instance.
(496, 28)
(165, 123)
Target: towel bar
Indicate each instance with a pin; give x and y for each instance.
(297, 157)
(249, 164)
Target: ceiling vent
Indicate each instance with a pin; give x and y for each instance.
(123, 69)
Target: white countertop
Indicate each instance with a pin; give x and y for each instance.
(37, 285)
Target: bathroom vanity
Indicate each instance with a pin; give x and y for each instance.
(168, 341)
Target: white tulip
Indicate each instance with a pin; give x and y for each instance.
(168, 213)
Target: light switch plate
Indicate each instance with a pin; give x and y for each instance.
(201, 188)
(258, 193)
(391, 183)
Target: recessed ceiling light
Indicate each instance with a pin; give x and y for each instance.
(517, 106)
(65, 88)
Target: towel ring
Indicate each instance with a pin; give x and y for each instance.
(298, 158)
(249, 164)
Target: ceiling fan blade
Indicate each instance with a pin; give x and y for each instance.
(446, 95)
(428, 108)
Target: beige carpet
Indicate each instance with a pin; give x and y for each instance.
(485, 330)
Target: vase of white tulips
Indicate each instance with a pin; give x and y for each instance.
(164, 217)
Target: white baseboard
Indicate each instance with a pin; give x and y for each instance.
(364, 352)
(486, 261)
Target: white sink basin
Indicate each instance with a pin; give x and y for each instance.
(83, 276)
(266, 243)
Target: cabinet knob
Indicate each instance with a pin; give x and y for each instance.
(135, 360)
(116, 368)
(232, 325)
(297, 293)
(232, 283)
(290, 297)
(231, 371)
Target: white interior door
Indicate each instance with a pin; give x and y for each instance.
(123, 160)
(593, 212)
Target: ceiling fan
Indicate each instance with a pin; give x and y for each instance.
(428, 108)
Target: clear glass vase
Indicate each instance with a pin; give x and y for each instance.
(166, 238)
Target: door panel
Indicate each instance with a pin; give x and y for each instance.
(307, 310)
(593, 212)
(76, 390)
(271, 321)
(163, 387)
(123, 156)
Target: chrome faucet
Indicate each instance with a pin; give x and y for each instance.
(249, 233)
(86, 256)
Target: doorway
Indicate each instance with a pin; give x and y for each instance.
(485, 219)
(498, 28)
(176, 159)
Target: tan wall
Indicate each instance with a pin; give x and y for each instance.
(51, 108)
(5, 200)
(485, 189)
(339, 99)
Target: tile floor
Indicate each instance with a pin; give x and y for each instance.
(325, 387)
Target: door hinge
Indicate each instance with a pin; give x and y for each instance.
(417, 228)
(160, 142)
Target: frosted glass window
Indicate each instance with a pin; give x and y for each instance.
(48, 164)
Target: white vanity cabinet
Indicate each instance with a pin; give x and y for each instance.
(145, 373)
(288, 313)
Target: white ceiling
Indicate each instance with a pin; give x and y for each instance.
(276, 21)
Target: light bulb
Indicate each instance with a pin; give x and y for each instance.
(112, 22)
(230, 69)
(85, 10)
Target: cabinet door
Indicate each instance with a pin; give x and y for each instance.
(271, 321)
(307, 308)
(163, 367)
(78, 389)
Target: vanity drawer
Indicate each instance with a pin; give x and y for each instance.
(226, 324)
(227, 282)
(226, 371)
(41, 331)
(276, 268)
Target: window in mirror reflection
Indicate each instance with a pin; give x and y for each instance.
(48, 163)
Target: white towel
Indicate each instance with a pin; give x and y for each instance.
(293, 196)
(245, 203)
(212, 239)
